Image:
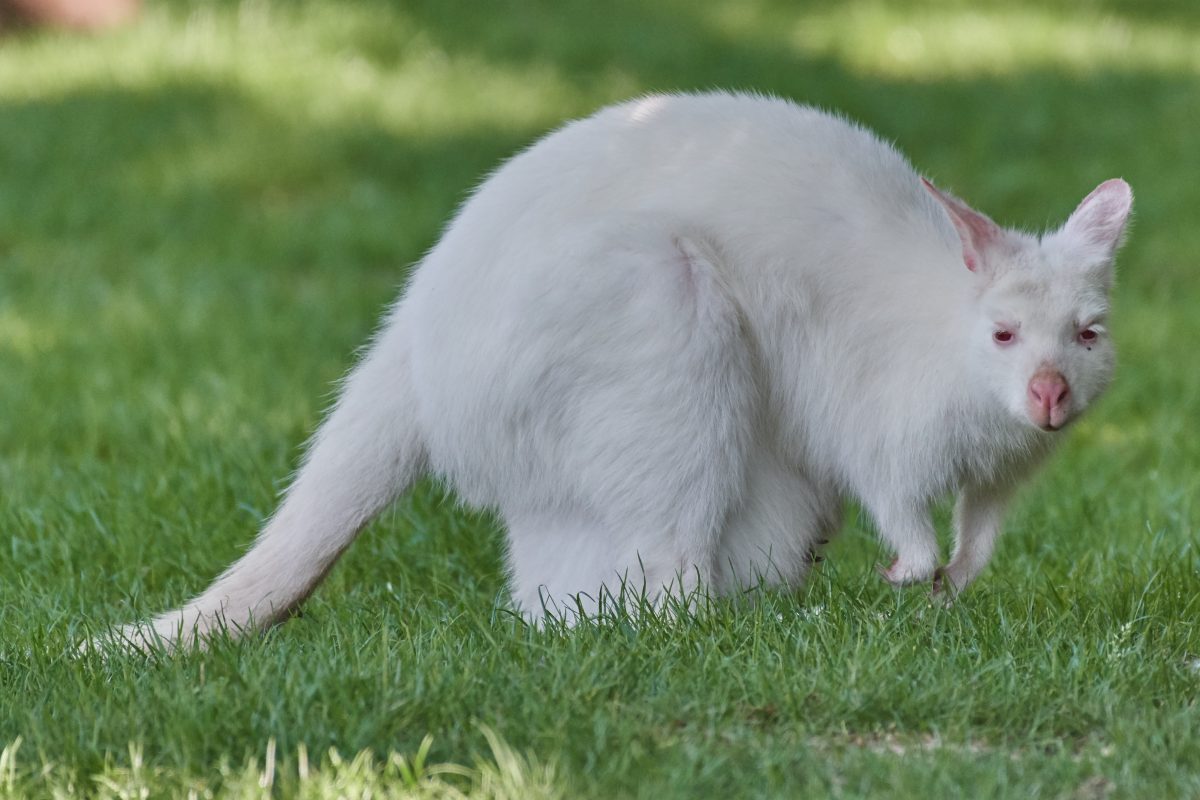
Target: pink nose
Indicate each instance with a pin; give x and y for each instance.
(1048, 393)
(1049, 390)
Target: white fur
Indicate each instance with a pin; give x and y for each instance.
(668, 341)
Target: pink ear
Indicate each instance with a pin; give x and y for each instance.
(977, 232)
(1096, 227)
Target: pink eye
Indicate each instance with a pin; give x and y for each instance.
(1003, 337)
(1088, 336)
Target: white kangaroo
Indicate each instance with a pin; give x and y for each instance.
(668, 341)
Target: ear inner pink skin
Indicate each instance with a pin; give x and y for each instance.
(1100, 218)
(1049, 399)
(977, 231)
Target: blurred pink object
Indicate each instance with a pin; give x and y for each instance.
(84, 15)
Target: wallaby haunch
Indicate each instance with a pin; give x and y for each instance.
(667, 341)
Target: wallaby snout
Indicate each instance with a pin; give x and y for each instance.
(1049, 399)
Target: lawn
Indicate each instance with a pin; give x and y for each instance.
(201, 217)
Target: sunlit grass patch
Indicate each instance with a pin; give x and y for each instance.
(501, 775)
(956, 40)
(304, 63)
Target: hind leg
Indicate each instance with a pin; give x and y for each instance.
(569, 566)
(641, 432)
(772, 536)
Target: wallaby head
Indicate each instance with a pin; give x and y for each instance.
(1039, 342)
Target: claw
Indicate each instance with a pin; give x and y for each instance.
(943, 588)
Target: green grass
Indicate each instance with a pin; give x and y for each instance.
(200, 219)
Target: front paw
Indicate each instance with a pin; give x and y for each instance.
(906, 573)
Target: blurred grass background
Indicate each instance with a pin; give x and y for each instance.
(201, 216)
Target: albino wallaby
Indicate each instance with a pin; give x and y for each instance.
(667, 341)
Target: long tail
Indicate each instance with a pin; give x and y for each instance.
(367, 451)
